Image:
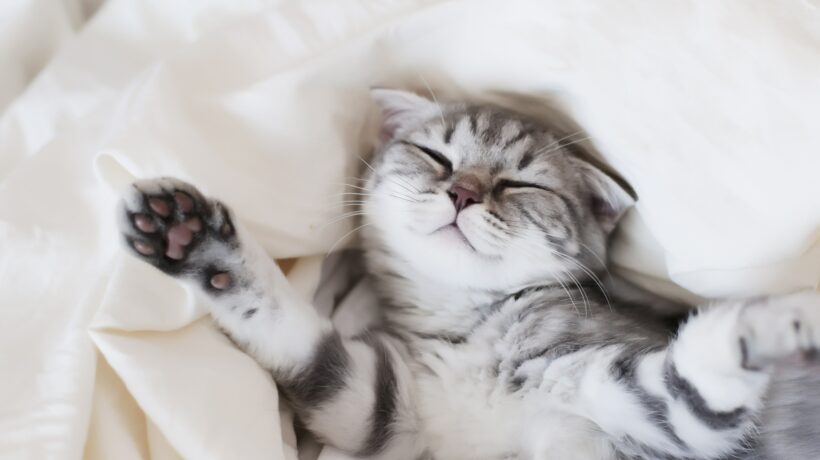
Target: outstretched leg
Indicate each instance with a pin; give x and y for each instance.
(699, 397)
(353, 393)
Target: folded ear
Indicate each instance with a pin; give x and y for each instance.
(610, 195)
(400, 109)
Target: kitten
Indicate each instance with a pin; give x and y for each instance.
(486, 237)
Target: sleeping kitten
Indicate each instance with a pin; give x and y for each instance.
(486, 236)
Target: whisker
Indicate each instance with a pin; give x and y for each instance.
(591, 274)
(557, 145)
(564, 138)
(366, 164)
(558, 148)
(583, 293)
(396, 179)
(597, 257)
(583, 246)
(435, 100)
(404, 184)
(566, 289)
(358, 198)
(411, 189)
(588, 271)
(348, 202)
(343, 217)
(330, 251)
(355, 194)
(556, 278)
(567, 258)
(354, 186)
(394, 193)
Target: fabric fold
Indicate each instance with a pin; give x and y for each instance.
(707, 110)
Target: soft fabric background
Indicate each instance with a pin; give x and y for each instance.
(708, 108)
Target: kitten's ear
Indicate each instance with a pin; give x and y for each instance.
(611, 197)
(400, 109)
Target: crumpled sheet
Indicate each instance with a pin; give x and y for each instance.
(709, 109)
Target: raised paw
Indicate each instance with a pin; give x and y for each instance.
(781, 327)
(171, 225)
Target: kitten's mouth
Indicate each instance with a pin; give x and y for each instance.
(454, 229)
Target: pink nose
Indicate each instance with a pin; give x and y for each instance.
(464, 195)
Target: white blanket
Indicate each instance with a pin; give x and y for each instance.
(709, 109)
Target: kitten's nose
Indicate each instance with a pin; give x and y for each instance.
(466, 191)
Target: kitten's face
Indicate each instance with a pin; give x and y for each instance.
(483, 198)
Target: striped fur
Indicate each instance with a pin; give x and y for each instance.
(499, 338)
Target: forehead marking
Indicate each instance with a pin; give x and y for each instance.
(492, 129)
(525, 160)
(473, 117)
(522, 133)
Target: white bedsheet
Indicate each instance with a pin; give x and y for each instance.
(709, 109)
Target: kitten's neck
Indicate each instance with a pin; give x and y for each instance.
(425, 305)
(429, 307)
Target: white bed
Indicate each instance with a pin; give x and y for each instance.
(709, 109)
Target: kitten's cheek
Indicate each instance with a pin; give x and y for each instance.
(432, 217)
(432, 223)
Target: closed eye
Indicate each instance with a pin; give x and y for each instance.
(436, 156)
(514, 184)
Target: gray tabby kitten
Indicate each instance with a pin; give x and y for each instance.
(486, 237)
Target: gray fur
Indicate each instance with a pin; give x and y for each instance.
(655, 407)
(323, 377)
(386, 389)
(682, 389)
(790, 427)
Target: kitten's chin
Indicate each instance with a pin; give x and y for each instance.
(447, 257)
(454, 237)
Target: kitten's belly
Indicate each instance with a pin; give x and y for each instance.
(466, 413)
(461, 419)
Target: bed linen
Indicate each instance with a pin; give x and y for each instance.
(709, 109)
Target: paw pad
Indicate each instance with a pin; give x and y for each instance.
(166, 220)
(160, 206)
(221, 281)
(145, 223)
(179, 232)
(184, 201)
(144, 248)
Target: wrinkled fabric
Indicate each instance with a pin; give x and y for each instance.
(708, 109)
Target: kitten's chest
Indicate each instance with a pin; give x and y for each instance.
(502, 393)
(467, 411)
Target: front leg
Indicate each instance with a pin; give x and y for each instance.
(352, 393)
(700, 397)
